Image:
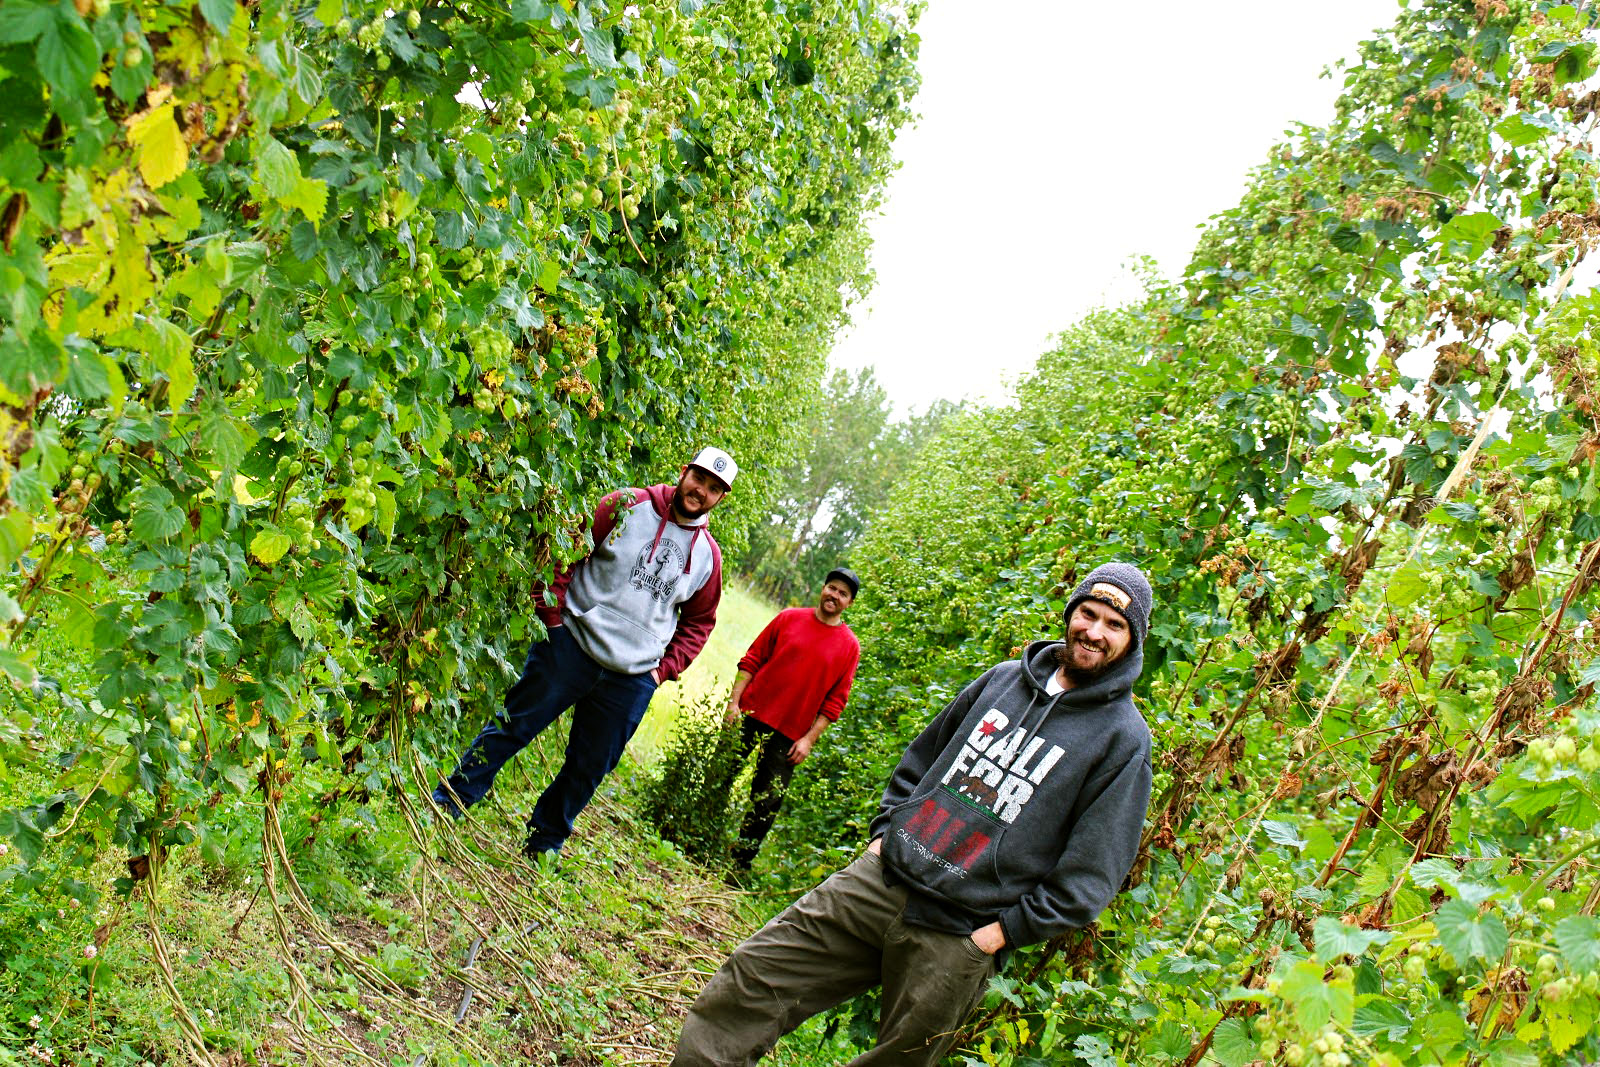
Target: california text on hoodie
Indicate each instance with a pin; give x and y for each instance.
(1020, 807)
(646, 596)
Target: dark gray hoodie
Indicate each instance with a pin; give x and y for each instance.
(1020, 807)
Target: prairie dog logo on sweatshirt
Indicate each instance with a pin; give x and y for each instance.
(658, 573)
(996, 772)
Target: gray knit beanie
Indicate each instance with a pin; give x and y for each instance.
(1104, 584)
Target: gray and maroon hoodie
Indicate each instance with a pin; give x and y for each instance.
(646, 596)
(1018, 806)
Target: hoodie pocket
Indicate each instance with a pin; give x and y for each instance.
(616, 641)
(945, 844)
(610, 618)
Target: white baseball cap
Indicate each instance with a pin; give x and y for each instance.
(716, 461)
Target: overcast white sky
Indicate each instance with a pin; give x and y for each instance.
(1059, 139)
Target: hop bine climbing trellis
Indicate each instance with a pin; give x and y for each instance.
(321, 324)
(1354, 447)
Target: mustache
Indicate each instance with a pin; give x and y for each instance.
(688, 510)
(1063, 653)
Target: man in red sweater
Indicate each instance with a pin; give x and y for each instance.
(791, 684)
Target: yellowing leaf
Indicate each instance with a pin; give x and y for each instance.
(1569, 1023)
(241, 489)
(386, 511)
(278, 171)
(310, 195)
(77, 202)
(16, 531)
(269, 545)
(180, 208)
(119, 297)
(83, 266)
(480, 146)
(161, 150)
(169, 349)
(404, 204)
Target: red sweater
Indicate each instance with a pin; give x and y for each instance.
(800, 668)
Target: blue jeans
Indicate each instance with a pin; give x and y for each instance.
(606, 709)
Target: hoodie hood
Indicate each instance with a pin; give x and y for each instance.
(1039, 663)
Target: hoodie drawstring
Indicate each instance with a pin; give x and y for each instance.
(688, 556)
(660, 528)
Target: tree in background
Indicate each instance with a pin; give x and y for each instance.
(853, 454)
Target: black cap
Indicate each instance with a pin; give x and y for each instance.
(847, 576)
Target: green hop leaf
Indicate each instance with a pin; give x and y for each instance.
(1466, 936)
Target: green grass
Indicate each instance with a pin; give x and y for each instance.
(627, 929)
(627, 932)
(740, 617)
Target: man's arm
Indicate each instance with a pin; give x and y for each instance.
(740, 680)
(921, 753)
(799, 750)
(600, 527)
(1097, 858)
(696, 618)
(755, 657)
(839, 692)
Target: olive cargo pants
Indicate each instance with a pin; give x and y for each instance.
(840, 939)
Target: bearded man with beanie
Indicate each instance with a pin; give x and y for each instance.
(1013, 817)
(630, 615)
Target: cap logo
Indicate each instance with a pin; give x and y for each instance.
(1110, 594)
(719, 464)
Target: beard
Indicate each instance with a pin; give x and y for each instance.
(1080, 675)
(681, 506)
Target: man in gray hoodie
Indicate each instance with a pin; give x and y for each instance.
(628, 616)
(1012, 818)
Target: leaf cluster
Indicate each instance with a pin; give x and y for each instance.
(322, 326)
(1353, 447)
